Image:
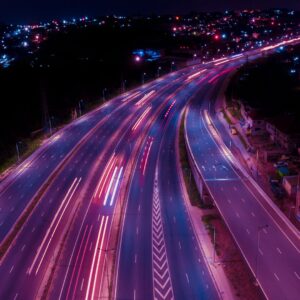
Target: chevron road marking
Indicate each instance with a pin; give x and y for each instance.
(162, 284)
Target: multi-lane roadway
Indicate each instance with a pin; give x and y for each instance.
(115, 173)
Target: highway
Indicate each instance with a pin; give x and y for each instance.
(54, 210)
(124, 155)
(75, 214)
(270, 248)
(156, 221)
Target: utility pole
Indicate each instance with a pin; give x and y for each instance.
(18, 150)
(297, 209)
(103, 94)
(143, 77)
(50, 126)
(158, 71)
(259, 229)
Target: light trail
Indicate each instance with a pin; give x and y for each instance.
(109, 187)
(145, 98)
(168, 111)
(196, 74)
(128, 98)
(94, 258)
(137, 123)
(116, 186)
(99, 257)
(62, 207)
(104, 172)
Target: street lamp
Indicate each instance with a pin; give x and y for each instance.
(158, 71)
(123, 87)
(50, 124)
(214, 241)
(143, 77)
(103, 94)
(172, 65)
(259, 229)
(80, 102)
(18, 149)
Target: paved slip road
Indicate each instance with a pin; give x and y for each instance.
(272, 253)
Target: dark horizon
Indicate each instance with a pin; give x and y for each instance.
(35, 11)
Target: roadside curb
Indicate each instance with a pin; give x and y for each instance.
(217, 272)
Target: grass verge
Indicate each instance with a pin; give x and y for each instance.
(189, 180)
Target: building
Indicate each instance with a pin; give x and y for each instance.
(254, 121)
(284, 132)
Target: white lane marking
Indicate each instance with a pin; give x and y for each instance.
(248, 231)
(162, 284)
(253, 214)
(243, 200)
(260, 251)
(278, 250)
(187, 278)
(62, 207)
(135, 258)
(11, 269)
(297, 275)
(81, 287)
(22, 249)
(110, 185)
(116, 186)
(276, 276)
(16, 296)
(179, 244)
(95, 259)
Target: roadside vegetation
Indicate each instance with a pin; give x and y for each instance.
(189, 180)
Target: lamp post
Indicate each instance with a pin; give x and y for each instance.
(103, 94)
(259, 229)
(214, 241)
(158, 71)
(297, 209)
(172, 65)
(18, 150)
(143, 77)
(80, 102)
(50, 125)
(123, 86)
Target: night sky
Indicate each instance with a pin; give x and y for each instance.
(24, 11)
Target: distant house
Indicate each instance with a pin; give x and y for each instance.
(284, 132)
(255, 121)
